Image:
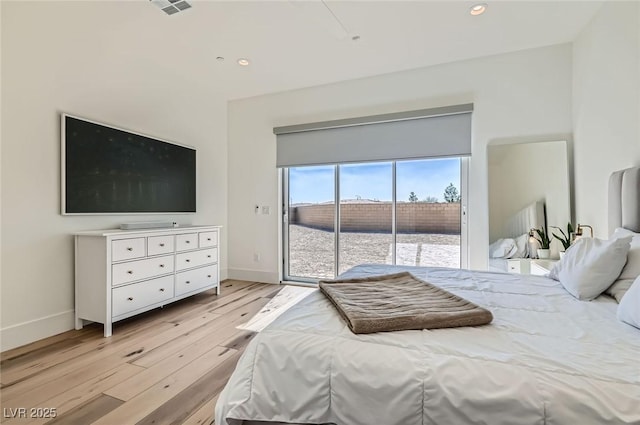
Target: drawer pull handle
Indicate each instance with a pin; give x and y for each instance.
(129, 249)
(130, 271)
(187, 260)
(208, 239)
(208, 256)
(187, 241)
(161, 265)
(187, 282)
(161, 289)
(130, 298)
(208, 275)
(161, 244)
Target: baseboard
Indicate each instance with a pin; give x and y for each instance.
(253, 275)
(23, 333)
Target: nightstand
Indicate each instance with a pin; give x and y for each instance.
(530, 266)
(542, 267)
(519, 265)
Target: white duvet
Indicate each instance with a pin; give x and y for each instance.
(547, 358)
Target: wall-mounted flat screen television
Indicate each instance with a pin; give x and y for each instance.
(108, 170)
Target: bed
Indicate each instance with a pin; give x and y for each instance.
(530, 217)
(547, 358)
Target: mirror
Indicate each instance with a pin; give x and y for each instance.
(520, 175)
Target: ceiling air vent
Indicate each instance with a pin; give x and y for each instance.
(171, 6)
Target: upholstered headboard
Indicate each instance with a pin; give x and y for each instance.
(530, 217)
(624, 200)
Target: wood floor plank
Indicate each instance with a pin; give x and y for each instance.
(233, 298)
(225, 306)
(125, 332)
(16, 373)
(74, 397)
(130, 388)
(217, 330)
(146, 402)
(118, 351)
(228, 287)
(239, 340)
(204, 415)
(88, 412)
(176, 410)
(87, 366)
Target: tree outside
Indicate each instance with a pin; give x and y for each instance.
(451, 194)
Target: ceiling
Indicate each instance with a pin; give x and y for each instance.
(295, 44)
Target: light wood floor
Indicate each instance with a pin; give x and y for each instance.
(166, 366)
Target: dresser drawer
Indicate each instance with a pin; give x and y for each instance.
(141, 269)
(519, 265)
(189, 260)
(513, 266)
(186, 241)
(208, 239)
(133, 297)
(193, 280)
(128, 249)
(157, 245)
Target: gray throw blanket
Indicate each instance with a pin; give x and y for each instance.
(398, 302)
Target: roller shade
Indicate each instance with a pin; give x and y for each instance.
(438, 132)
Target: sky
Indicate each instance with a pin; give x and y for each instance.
(373, 180)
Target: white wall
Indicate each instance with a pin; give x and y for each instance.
(519, 96)
(48, 68)
(606, 106)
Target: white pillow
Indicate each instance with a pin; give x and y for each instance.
(619, 288)
(502, 248)
(591, 265)
(629, 308)
(631, 270)
(522, 243)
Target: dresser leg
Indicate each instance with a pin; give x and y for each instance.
(107, 330)
(79, 323)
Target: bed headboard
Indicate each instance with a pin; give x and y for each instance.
(530, 217)
(624, 200)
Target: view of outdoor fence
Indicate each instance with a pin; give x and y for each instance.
(428, 234)
(420, 217)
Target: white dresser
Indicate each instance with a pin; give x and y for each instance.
(121, 273)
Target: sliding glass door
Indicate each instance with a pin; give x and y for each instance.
(428, 213)
(365, 234)
(309, 223)
(397, 212)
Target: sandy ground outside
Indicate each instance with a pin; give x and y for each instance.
(312, 250)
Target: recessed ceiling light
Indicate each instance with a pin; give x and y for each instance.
(478, 9)
(243, 62)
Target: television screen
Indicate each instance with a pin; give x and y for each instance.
(106, 170)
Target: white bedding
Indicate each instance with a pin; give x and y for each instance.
(498, 265)
(547, 358)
